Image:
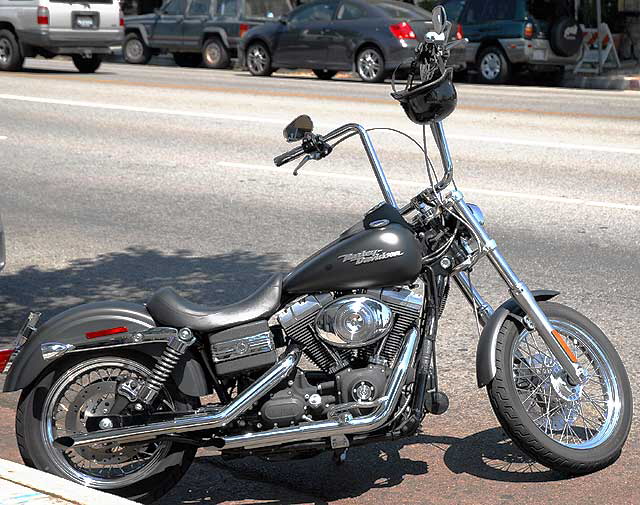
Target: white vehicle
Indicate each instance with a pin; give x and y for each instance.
(83, 30)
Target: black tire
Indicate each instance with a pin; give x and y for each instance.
(493, 66)
(325, 75)
(259, 60)
(520, 426)
(565, 37)
(11, 58)
(189, 60)
(87, 65)
(163, 476)
(135, 51)
(215, 54)
(370, 64)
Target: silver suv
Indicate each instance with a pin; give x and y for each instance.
(83, 30)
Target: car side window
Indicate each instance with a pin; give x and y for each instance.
(351, 11)
(453, 8)
(199, 7)
(227, 8)
(499, 10)
(174, 8)
(315, 12)
(474, 11)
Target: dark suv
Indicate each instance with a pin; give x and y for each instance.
(197, 31)
(510, 35)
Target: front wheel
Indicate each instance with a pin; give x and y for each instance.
(370, 65)
(61, 402)
(572, 429)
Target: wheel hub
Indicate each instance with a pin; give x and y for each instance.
(490, 66)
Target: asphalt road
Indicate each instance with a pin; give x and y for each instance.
(117, 183)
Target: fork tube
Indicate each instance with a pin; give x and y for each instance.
(518, 289)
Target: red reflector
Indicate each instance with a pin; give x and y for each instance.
(402, 31)
(5, 356)
(459, 32)
(528, 31)
(244, 28)
(104, 333)
(43, 16)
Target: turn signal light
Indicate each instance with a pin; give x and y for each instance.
(459, 32)
(104, 333)
(43, 15)
(528, 31)
(5, 356)
(402, 31)
(244, 28)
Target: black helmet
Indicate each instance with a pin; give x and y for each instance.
(429, 101)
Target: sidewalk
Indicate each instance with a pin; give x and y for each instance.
(625, 78)
(22, 485)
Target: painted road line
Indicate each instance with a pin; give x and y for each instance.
(285, 120)
(2, 137)
(418, 187)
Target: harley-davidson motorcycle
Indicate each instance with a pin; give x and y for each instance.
(339, 352)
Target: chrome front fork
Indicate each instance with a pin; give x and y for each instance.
(518, 290)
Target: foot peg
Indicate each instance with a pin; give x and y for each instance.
(436, 403)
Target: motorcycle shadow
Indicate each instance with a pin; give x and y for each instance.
(488, 455)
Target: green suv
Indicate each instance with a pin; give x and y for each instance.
(506, 36)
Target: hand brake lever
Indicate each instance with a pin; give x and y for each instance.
(301, 164)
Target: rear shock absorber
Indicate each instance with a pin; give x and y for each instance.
(177, 345)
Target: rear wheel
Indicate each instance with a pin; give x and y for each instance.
(370, 65)
(571, 429)
(190, 60)
(87, 65)
(325, 75)
(135, 51)
(215, 54)
(493, 66)
(62, 401)
(11, 58)
(259, 59)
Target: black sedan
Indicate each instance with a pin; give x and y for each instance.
(371, 37)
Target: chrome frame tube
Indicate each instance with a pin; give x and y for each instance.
(517, 288)
(195, 422)
(344, 426)
(371, 154)
(473, 296)
(437, 130)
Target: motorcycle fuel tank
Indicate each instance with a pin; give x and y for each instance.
(370, 258)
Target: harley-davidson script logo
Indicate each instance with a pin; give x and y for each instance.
(360, 258)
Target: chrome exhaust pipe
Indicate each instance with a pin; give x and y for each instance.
(242, 402)
(345, 425)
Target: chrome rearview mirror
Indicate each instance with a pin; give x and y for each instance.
(297, 128)
(439, 19)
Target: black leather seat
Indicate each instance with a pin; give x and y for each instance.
(168, 308)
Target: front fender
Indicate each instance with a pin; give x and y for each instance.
(486, 352)
(73, 325)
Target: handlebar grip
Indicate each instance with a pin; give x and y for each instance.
(288, 156)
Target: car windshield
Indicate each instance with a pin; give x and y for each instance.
(266, 8)
(398, 10)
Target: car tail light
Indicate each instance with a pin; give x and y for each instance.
(43, 15)
(5, 356)
(402, 31)
(528, 31)
(459, 32)
(244, 28)
(121, 19)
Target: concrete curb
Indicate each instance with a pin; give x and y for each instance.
(56, 488)
(618, 82)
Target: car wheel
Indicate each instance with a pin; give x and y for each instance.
(191, 60)
(325, 75)
(135, 51)
(259, 59)
(493, 66)
(87, 65)
(370, 65)
(215, 54)
(11, 58)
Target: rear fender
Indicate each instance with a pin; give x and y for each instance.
(486, 352)
(72, 329)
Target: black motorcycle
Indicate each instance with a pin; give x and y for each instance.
(338, 353)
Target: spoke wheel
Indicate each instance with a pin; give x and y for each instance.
(259, 60)
(575, 429)
(370, 65)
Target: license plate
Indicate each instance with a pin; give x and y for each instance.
(539, 54)
(84, 22)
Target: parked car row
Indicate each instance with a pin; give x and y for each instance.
(370, 37)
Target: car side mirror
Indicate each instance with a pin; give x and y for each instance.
(298, 128)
